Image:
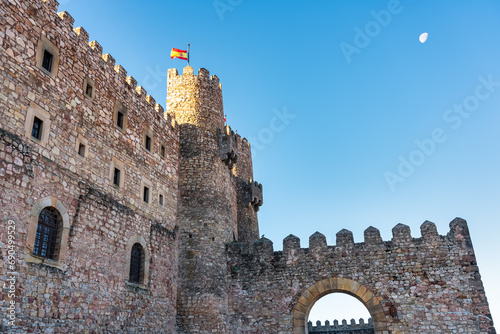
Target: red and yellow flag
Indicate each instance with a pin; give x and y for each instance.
(176, 53)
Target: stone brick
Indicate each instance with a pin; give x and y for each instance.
(208, 270)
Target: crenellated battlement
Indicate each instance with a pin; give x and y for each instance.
(67, 18)
(82, 34)
(397, 280)
(342, 327)
(95, 52)
(52, 4)
(80, 99)
(202, 77)
(401, 240)
(243, 143)
(195, 99)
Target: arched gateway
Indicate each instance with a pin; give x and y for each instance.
(409, 285)
(337, 284)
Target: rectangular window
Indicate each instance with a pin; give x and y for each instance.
(36, 131)
(81, 150)
(162, 151)
(47, 60)
(88, 90)
(145, 195)
(119, 119)
(161, 200)
(116, 177)
(147, 143)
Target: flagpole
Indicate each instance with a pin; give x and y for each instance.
(188, 54)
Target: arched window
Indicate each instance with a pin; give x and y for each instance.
(48, 233)
(136, 274)
(137, 265)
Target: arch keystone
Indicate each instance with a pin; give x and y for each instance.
(340, 282)
(333, 282)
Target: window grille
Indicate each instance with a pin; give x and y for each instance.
(46, 238)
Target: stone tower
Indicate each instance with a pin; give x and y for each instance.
(210, 201)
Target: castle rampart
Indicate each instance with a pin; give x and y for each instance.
(434, 276)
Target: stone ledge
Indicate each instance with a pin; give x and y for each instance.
(137, 286)
(30, 258)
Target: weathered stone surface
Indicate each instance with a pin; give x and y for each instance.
(409, 285)
(207, 269)
(89, 293)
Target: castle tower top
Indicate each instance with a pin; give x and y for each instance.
(195, 99)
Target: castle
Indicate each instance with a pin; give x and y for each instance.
(118, 217)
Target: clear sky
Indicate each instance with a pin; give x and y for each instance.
(353, 121)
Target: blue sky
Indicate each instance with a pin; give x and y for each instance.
(329, 126)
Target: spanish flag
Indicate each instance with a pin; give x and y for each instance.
(176, 53)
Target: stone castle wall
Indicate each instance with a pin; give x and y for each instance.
(205, 269)
(86, 288)
(410, 285)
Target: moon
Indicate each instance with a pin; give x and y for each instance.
(423, 37)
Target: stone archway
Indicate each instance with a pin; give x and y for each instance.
(338, 284)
